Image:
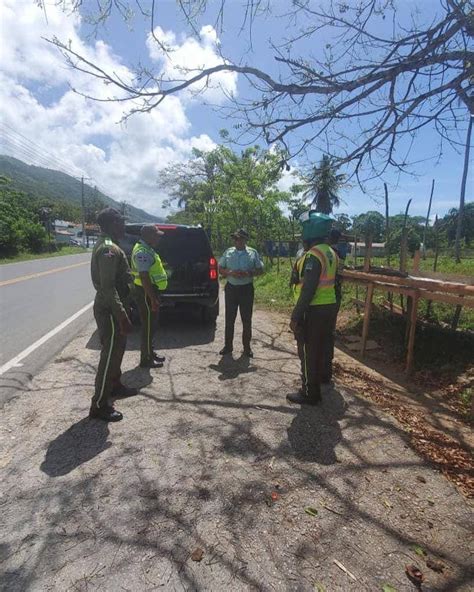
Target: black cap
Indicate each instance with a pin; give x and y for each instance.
(240, 233)
(107, 216)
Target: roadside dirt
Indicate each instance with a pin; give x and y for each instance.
(213, 482)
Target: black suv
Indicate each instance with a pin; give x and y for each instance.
(190, 264)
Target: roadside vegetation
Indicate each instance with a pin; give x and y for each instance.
(61, 251)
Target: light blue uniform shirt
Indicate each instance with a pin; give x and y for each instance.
(245, 260)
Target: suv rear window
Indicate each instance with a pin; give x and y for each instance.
(178, 245)
(184, 245)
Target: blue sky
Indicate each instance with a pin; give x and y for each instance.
(124, 159)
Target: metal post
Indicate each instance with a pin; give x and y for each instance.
(83, 213)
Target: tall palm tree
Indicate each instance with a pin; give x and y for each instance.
(322, 185)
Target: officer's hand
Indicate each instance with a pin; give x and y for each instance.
(125, 325)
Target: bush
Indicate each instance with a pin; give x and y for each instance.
(35, 238)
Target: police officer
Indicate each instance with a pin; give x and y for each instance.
(239, 265)
(314, 315)
(111, 278)
(149, 278)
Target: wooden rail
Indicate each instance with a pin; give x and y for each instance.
(415, 288)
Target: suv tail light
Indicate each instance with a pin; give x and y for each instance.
(212, 269)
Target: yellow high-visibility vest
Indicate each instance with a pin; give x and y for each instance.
(325, 293)
(157, 272)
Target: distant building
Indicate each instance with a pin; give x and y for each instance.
(378, 249)
(64, 231)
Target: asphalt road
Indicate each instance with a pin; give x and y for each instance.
(35, 298)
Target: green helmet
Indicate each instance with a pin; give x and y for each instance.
(315, 225)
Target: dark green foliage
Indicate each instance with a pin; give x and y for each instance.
(19, 222)
(370, 224)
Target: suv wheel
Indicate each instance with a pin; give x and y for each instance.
(210, 313)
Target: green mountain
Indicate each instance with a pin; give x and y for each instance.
(39, 182)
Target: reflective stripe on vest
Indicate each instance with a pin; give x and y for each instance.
(156, 272)
(325, 293)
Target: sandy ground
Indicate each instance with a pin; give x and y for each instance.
(211, 463)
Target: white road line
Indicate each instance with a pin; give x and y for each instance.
(26, 352)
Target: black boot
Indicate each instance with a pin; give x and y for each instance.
(107, 413)
(225, 351)
(158, 358)
(301, 398)
(151, 364)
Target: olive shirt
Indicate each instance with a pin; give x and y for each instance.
(246, 259)
(311, 274)
(111, 276)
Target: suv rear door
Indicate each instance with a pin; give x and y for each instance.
(186, 254)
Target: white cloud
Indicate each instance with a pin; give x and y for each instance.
(37, 102)
(186, 57)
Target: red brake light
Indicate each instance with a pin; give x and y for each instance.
(166, 227)
(212, 269)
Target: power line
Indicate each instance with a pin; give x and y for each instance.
(39, 156)
(8, 130)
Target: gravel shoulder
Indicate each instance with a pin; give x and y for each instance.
(210, 457)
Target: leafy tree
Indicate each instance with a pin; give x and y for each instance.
(224, 190)
(371, 224)
(322, 186)
(448, 225)
(342, 222)
(19, 225)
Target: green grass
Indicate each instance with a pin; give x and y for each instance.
(272, 289)
(31, 256)
(445, 264)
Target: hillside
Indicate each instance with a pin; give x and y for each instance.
(41, 182)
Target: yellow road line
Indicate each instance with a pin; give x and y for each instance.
(35, 275)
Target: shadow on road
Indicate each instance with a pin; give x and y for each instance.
(176, 329)
(229, 367)
(138, 377)
(77, 445)
(315, 432)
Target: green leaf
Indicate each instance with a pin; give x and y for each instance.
(311, 511)
(319, 588)
(419, 551)
(388, 588)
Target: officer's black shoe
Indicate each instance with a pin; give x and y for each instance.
(300, 399)
(105, 413)
(158, 358)
(151, 364)
(248, 353)
(121, 391)
(225, 351)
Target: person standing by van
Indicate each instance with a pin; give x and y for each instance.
(239, 265)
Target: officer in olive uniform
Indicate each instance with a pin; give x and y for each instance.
(314, 316)
(149, 278)
(111, 278)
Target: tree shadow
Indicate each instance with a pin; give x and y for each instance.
(79, 444)
(176, 329)
(229, 367)
(315, 432)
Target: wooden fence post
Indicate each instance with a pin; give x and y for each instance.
(367, 313)
(412, 331)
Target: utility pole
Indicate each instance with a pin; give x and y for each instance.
(83, 213)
